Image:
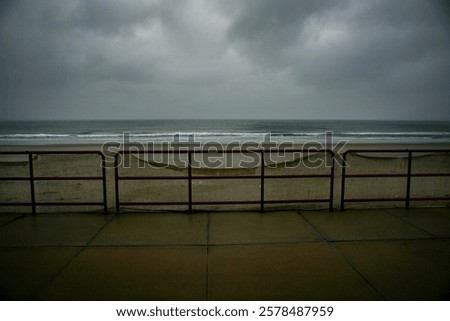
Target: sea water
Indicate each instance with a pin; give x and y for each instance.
(221, 131)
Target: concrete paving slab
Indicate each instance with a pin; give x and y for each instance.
(434, 221)
(307, 271)
(7, 218)
(403, 270)
(252, 256)
(23, 271)
(152, 273)
(444, 211)
(52, 230)
(254, 227)
(155, 229)
(362, 225)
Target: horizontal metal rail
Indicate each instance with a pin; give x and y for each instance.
(32, 179)
(190, 177)
(408, 175)
(396, 175)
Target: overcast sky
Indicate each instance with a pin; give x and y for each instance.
(275, 59)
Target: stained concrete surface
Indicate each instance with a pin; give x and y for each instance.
(283, 272)
(26, 271)
(294, 255)
(8, 218)
(154, 229)
(404, 270)
(254, 227)
(52, 230)
(137, 273)
(362, 225)
(435, 221)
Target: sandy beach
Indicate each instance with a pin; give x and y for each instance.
(246, 189)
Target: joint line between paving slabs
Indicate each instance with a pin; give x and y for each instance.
(51, 279)
(336, 251)
(46, 284)
(312, 226)
(409, 223)
(100, 230)
(13, 219)
(354, 269)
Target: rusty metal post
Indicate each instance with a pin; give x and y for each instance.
(343, 181)
(116, 182)
(331, 180)
(262, 180)
(408, 180)
(190, 181)
(105, 202)
(33, 196)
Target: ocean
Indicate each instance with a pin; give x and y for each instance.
(221, 131)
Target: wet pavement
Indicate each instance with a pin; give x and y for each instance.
(382, 254)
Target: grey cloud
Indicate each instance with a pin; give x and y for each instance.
(265, 29)
(111, 17)
(50, 49)
(208, 59)
(369, 43)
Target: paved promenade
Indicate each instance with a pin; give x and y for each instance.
(383, 254)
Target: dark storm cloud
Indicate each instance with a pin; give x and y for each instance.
(383, 43)
(111, 17)
(266, 29)
(81, 41)
(225, 59)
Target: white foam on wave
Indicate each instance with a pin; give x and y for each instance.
(40, 135)
(405, 134)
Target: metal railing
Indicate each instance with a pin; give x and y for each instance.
(31, 178)
(262, 177)
(408, 175)
(190, 177)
